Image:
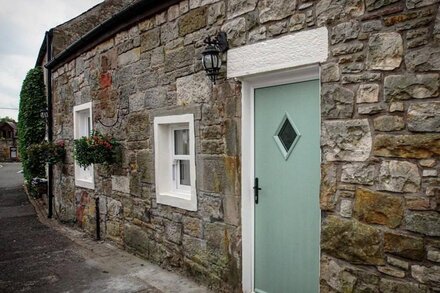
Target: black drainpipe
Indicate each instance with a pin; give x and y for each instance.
(98, 220)
(49, 118)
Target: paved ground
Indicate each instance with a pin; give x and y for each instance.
(37, 257)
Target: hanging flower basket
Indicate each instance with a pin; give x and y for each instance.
(96, 149)
(45, 152)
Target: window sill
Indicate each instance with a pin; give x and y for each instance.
(84, 183)
(184, 201)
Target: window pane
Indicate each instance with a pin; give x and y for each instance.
(181, 142)
(184, 172)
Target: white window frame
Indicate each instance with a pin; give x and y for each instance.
(168, 191)
(83, 177)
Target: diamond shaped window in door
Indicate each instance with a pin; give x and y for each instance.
(286, 136)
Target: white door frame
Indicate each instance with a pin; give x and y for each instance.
(249, 84)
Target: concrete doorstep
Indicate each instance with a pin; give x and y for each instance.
(126, 272)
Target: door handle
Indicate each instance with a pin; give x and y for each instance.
(256, 190)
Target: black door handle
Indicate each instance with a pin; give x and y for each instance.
(256, 190)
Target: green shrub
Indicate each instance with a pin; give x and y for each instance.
(31, 127)
(96, 149)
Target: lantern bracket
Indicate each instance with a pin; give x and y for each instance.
(220, 42)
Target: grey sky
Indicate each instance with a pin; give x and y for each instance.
(22, 27)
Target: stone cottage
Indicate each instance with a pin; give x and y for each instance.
(8, 141)
(310, 165)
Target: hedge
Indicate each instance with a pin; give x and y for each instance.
(31, 127)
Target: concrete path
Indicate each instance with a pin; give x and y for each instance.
(49, 257)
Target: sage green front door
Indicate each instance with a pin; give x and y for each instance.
(287, 165)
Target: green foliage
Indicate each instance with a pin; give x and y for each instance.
(31, 127)
(7, 119)
(46, 152)
(96, 149)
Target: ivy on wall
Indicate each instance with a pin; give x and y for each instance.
(31, 127)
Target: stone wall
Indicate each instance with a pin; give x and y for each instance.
(380, 190)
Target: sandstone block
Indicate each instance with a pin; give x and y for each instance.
(378, 208)
(336, 276)
(346, 208)
(136, 238)
(210, 206)
(403, 245)
(399, 176)
(398, 262)
(346, 140)
(424, 117)
(385, 51)
(192, 21)
(192, 227)
(433, 254)
(391, 271)
(236, 31)
(328, 11)
(352, 241)
(417, 146)
(388, 123)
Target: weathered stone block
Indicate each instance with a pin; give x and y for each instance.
(210, 206)
(417, 146)
(388, 270)
(275, 9)
(337, 102)
(399, 176)
(195, 88)
(376, 4)
(239, 7)
(387, 285)
(192, 227)
(236, 31)
(179, 58)
(412, 4)
(398, 262)
(330, 72)
(336, 276)
(297, 22)
(145, 163)
(216, 12)
(345, 31)
(231, 210)
(424, 59)
(424, 117)
(138, 125)
(403, 245)
(427, 223)
(328, 196)
(218, 174)
(352, 241)
(346, 140)
(378, 208)
(121, 184)
(388, 123)
(192, 21)
(426, 275)
(411, 86)
(370, 109)
(348, 48)
(368, 93)
(168, 32)
(329, 10)
(136, 238)
(346, 208)
(173, 232)
(433, 254)
(364, 78)
(150, 39)
(359, 173)
(385, 51)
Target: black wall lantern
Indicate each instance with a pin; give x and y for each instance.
(211, 59)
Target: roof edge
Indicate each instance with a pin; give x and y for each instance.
(120, 21)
